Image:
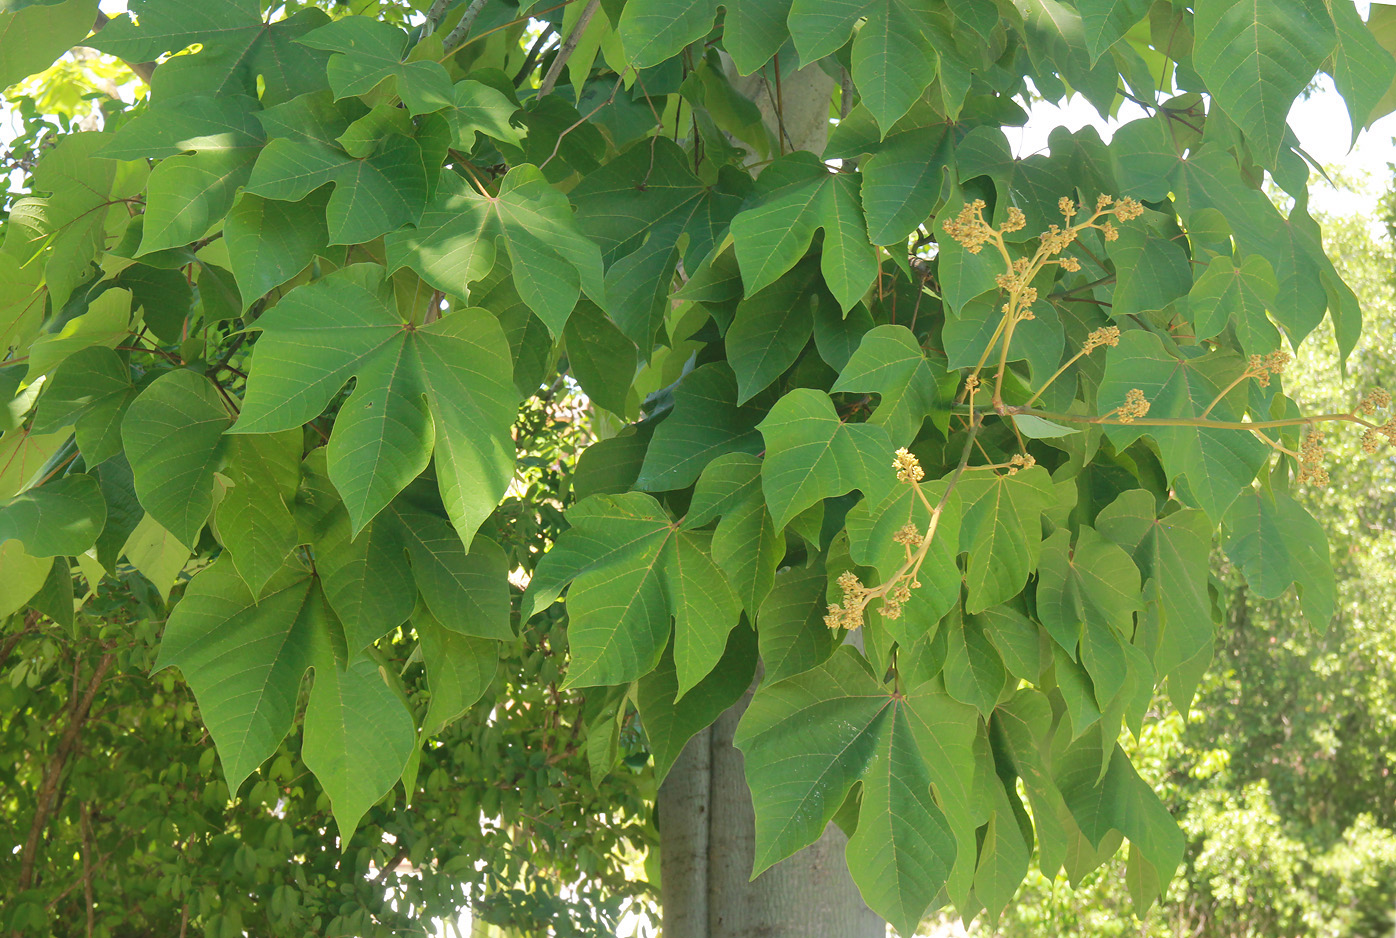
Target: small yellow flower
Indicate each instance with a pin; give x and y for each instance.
(908, 467)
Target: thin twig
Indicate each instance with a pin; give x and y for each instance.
(569, 45)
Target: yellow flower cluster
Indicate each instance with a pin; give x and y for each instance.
(1105, 335)
(908, 467)
(849, 615)
(1376, 397)
(969, 227)
(1311, 453)
(1019, 461)
(1134, 407)
(1262, 367)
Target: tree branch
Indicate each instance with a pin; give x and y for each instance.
(569, 45)
(467, 19)
(48, 788)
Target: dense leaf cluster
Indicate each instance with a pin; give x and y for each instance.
(269, 333)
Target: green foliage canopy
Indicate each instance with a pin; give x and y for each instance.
(1051, 382)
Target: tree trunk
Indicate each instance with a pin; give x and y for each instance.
(707, 841)
(707, 829)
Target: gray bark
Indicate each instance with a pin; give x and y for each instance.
(707, 845)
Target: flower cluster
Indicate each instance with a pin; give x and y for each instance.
(908, 467)
(849, 614)
(1311, 453)
(1262, 367)
(1134, 407)
(1018, 462)
(969, 227)
(1105, 335)
(1371, 439)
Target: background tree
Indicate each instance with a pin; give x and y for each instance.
(270, 331)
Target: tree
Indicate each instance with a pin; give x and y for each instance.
(269, 333)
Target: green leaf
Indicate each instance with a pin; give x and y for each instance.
(163, 297)
(156, 553)
(706, 423)
(901, 854)
(460, 668)
(1003, 856)
(1087, 595)
(795, 197)
(974, 672)
(68, 227)
(894, 49)
(238, 47)
(746, 545)
(1151, 269)
(1276, 542)
(270, 241)
(1218, 463)
(1038, 429)
(370, 51)
(254, 517)
(1241, 295)
(811, 455)
(1002, 532)
(770, 330)
(654, 30)
(106, 322)
(671, 720)
(630, 570)
(173, 435)
(191, 193)
(455, 244)
(442, 389)
(21, 576)
(476, 108)
(34, 36)
(194, 123)
(807, 740)
(367, 578)
(467, 592)
(1105, 22)
(1362, 69)
(637, 209)
(359, 735)
(791, 625)
(90, 392)
(62, 517)
(372, 196)
(1171, 553)
(1121, 801)
(600, 356)
(1257, 57)
(245, 659)
(889, 362)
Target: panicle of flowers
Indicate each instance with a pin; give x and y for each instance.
(1134, 407)
(849, 613)
(969, 227)
(1105, 335)
(1020, 462)
(1311, 453)
(1374, 400)
(1376, 397)
(1261, 367)
(908, 467)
